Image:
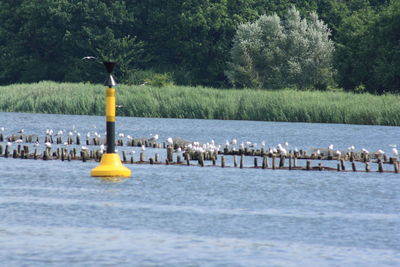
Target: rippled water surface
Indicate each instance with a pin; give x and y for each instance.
(54, 213)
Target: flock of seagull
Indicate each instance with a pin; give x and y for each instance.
(212, 147)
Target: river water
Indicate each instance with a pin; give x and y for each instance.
(54, 214)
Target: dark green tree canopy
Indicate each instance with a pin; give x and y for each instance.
(190, 40)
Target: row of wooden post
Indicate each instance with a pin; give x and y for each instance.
(276, 163)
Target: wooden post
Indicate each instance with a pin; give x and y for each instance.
(1, 149)
(222, 161)
(342, 165)
(290, 162)
(156, 157)
(241, 161)
(83, 156)
(255, 162)
(273, 162)
(170, 153)
(353, 166)
(151, 161)
(142, 156)
(124, 156)
(396, 167)
(281, 162)
(338, 167)
(234, 161)
(187, 158)
(45, 155)
(265, 162)
(201, 159)
(367, 167)
(380, 165)
(308, 165)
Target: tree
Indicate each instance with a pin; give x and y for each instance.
(275, 53)
(368, 48)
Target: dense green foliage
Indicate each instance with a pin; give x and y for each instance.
(188, 39)
(280, 53)
(204, 103)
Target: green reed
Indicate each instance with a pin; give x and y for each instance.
(204, 103)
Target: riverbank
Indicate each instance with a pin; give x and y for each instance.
(204, 103)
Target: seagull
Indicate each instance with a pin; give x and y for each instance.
(170, 141)
(395, 152)
(330, 147)
(1, 129)
(88, 58)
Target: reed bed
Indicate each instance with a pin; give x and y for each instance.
(204, 103)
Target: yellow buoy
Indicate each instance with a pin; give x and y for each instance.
(110, 164)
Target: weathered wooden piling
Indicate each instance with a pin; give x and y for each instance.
(151, 161)
(222, 162)
(273, 162)
(255, 162)
(156, 157)
(380, 165)
(308, 165)
(124, 156)
(367, 167)
(170, 153)
(1, 149)
(142, 156)
(265, 162)
(234, 161)
(353, 166)
(45, 155)
(201, 159)
(241, 161)
(342, 165)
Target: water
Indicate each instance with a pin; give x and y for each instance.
(54, 213)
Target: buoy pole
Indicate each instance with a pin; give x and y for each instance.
(110, 164)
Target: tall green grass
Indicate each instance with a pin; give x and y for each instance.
(204, 103)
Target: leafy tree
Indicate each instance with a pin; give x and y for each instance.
(275, 53)
(368, 50)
